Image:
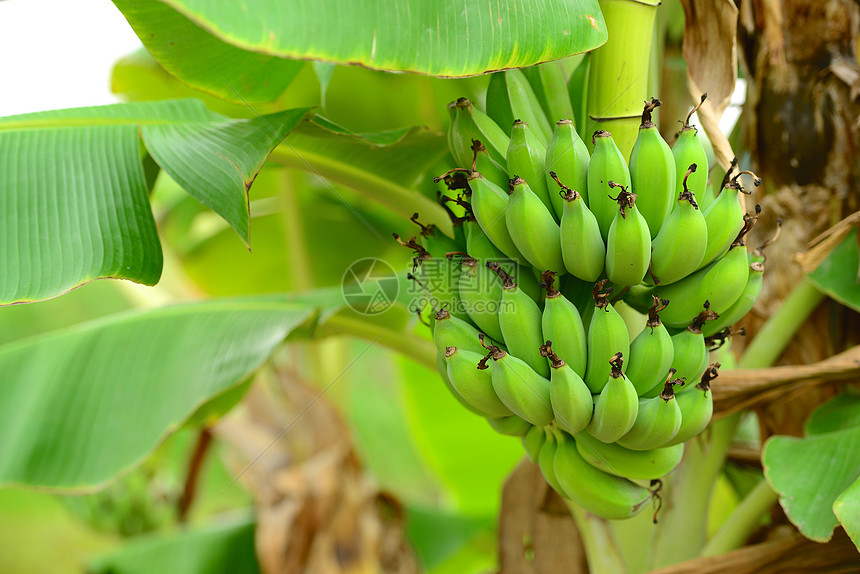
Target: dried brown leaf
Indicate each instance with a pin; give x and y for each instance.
(537, 534)
(795, 555)
(709, 117)
(710, 49)
(747, 388)
(820, 247)
(317, 511)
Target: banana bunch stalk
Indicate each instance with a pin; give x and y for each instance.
(525, 297)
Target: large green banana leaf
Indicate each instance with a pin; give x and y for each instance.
(434, 37)
(80, 405)
(73, 186)
(73, 189)
(837, 274)
(818, 476)
(384, 166)
(225, 548)
(204, 61)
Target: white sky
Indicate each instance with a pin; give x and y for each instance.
(58, 53)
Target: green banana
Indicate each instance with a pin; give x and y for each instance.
(713, 190)
(597, 492)
(567, 156)
(628, 244)
(616, 407)
(442, 274)
(680, 245)
(525, 158)
(529, 284)
(582, 248)
(657, 421)
(691, 353)
(533, 228)
(442, 367)
(480, 294)
(651, 352)
(498, 102)
(450, 331)
(477, 125)
(606, 336)
(533, 442)
(696, 407)
(687, 151)
(720, 283)
(434, 241)
(562, 324)
(510, 426)
(633, 464)
(481, 247)
(640, 297)
(474, 385)
(546, 459)
(510, 97)
(577, 89)
(452, 117)
(725, 218)
(606, 164)
(734, 266)
(478, 245)
(550, 87)
(652, 171)
(554, 375)
(471, 124)
(743, 305)
(578, 292)
(520, 321)
(489, 203)
(520, 388)
(751, 291)
(570, 398)
(724, 280)
(459, 232)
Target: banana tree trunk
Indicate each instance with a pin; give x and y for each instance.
(618, 78)
(801, 128)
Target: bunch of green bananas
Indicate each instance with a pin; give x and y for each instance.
(552, 239)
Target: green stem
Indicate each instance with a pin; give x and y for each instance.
(682, 527)
(296, 245)
(690, 486)
(401, 200)
(743, 521)
(768, 344)
(618, 79)
(417, 348)
(294, 232)
(655, 67)
(600, 546)
(774, 336)
(635, 538)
